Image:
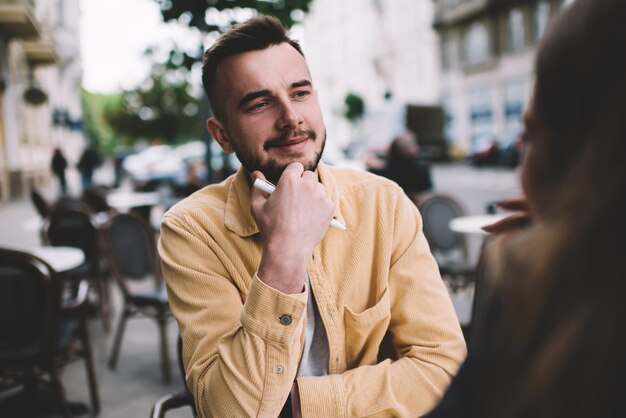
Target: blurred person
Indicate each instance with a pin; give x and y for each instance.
(89, 160)
(405, 166)
(552, 341)
(278, 314)
(193, 182)
(58, 166)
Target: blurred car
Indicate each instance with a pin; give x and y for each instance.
(136, 166)
(165, 165)
(489, 152)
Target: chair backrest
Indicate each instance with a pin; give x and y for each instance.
(129, 244)
(437, 211)
(30, 303)
(95, 197)
(40, 204)
(73, 227)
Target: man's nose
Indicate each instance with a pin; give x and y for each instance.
(289, 117)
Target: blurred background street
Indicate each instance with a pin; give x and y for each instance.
(112, 89)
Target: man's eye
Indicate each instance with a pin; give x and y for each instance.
(259, 105)
(301, 93)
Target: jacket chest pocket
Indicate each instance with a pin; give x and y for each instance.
(365, 331)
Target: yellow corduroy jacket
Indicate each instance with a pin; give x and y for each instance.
(375, 278)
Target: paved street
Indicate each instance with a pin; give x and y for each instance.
(476, 187)
(131, 390)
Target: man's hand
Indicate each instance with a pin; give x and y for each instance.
(292, 221)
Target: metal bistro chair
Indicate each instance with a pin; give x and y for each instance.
(176, 400)
(448, 247)
(40, 331)
(41, 205)
(130, 246)
(71, 225)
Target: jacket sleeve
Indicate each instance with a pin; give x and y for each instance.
(425, 333)
(240, 358)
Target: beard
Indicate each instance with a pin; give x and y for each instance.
(272, 169)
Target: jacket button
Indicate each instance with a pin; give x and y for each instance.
(285, 319)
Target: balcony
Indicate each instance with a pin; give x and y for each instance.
(41, 50)
(17, 19)
(457, 12)
(450, 14)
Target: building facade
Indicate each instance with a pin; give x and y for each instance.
(40, 78)
(383, 51)
(487, 52)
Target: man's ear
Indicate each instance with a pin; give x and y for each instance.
(216, 128)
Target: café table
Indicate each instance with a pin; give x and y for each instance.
(127, 200)
(138, 203)
(463, 302)
(61, 259)
(474, 224)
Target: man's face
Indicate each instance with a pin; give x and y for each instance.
(271, 115)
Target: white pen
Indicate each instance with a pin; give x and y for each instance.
(269, 188)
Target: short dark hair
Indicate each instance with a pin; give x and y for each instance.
(254, 34)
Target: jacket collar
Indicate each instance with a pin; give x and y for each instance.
(237, 217)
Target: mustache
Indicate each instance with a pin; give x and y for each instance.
(283, 138)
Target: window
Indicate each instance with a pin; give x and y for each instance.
(476, 44)
(448, 115)
(446, 52)
(516, 31)
(60, 13)
(481, 118)
(514, 99)
(542, 14)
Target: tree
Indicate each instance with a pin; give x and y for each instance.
(94, 124)
(165, 107)
(201, 14)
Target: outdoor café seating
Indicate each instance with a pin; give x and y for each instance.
(129, 244)
(449, 247)
(41, 333)
(72, 225)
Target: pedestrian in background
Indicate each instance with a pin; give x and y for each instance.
(552, 343)
(58, 166)
(89, 160)
(405, 166)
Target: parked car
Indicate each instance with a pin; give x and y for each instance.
(165, 165)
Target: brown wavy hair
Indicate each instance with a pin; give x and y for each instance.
(558, 347)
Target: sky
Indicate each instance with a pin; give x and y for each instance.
(114, 35)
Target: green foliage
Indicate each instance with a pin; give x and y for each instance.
(354, 107)
(95, 125)
(163, 109)
(193, 12)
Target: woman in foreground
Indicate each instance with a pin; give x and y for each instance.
(553, 343)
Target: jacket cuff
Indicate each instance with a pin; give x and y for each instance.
(271, 314)
(322, 396)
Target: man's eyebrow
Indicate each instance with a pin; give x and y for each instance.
(301, 83)
(253, 95)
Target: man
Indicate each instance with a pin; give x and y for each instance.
(275, 309)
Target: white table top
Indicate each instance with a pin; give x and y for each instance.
(60, 258)
(125, 200)
(474, 224)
